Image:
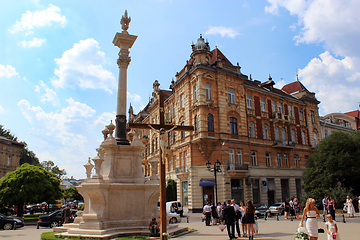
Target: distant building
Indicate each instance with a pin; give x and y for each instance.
(261, 135)
(343, 122)
(9, 155)
(71, 182)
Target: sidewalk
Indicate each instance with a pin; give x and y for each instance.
(271, 229)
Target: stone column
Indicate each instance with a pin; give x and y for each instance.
(124, 41)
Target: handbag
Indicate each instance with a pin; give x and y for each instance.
(321, 230)
(334, 235)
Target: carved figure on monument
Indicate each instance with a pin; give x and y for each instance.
(125, 21)
(163, 141)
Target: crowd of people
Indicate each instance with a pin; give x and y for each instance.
(232, 215)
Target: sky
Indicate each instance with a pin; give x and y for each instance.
(58, 70)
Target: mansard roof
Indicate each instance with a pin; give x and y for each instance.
(293, 87)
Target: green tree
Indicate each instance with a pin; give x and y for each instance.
(335, 164)
(26, 156)
(51, 167)
(29, 184)
(72, 193)
(171, 190)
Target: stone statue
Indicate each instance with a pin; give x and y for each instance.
(163, 141)
(125, 21)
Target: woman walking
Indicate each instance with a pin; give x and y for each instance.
(311, 212)
(250, 220)
(243, 219)
(331, 207)
(296, 208)
(350, 206)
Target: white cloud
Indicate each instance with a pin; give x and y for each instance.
(133, 97)
(36, 19)
(35, 42)
(223, 31)
(7, 71)
(25, 79)
(82, 66)
(49, 95)
(1, 109)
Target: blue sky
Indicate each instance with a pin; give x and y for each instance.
(58, 71)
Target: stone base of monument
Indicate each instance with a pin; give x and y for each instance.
(72, 230)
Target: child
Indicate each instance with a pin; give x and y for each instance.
(331, 228)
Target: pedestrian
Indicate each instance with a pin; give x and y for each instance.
(331, 207)
(214, 214)
(250, 218)
(331, 228)
(229, 217)
(154, 227)
(287, 208)
(207, 213)
(325, 206)
(237, 216)
(220, 212)
(66, 214)
(243, 219)
(350, 206)
(311, 212)
(292, 208)
(296, 208)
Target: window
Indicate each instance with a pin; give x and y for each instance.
(231, 159)
(182, 132)
(281, 109)
(182, 99)
(233, 126)
(195, 93)
(296, 161)
(169, 165)
(301, 115)
(208, 91)
(326, 132)
(286, 161)
(279, 160)
(291, 113)
(231, 95)
(268, 162)
(210, 122)
(252, 129)
(256, 191)
(263, 105)
(283, 134)
(174, 136)
(273, 106)
(173, 109)
(239, 157)
(293, 136)
(153, 146)
(9, 162)
(253, 158)
(169, 138)
(266, 131)
(156, 144)
(182, 160)
(312, 116)
(277, 137)
(185, 161)
(175, 162)
(303, 137)
(306, 161)
(196, 124)
(185, 193)
(249, 101)
(315, 139)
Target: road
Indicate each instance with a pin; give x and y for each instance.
(24, 233)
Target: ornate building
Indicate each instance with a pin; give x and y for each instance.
(261, 135)
(344, 122)
(9, 155)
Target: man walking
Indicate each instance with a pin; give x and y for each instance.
(207, 212)
(324, 203)
(229, 216)
(237, 216)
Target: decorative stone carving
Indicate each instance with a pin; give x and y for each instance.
(125, 21)
(206, 147)
(154, 169)
(98, 161)
(105, 132)
(88, 166)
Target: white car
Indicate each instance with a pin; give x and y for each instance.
(173, 218)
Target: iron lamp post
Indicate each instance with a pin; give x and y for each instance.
(215, 169)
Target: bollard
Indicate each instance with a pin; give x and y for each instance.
(343, 218)
(187, 219)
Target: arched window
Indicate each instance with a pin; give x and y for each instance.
(196, 124)
(315, 139)
(277, 137)
(252, 129)
(210, 122)
(182, 132)
(266, 131)
(233, 126)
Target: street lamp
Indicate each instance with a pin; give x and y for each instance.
(215, 170)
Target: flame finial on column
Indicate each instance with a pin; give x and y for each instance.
(125, 21)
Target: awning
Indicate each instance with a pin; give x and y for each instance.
(206, 182)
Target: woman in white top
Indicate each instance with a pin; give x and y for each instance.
(311, 213)
(350, 206)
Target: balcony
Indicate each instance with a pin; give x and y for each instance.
(181, 173)
(284, 144)
(279, 117)
(238, 171)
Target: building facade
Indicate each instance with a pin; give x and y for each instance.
(9, 155)
(337, 122)
(262, 136)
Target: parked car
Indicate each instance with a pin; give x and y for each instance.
(8, 223)
(173, 218)
(277, 208)
(7, 211)
(179, 206)
(54, 219)
(260, 211)
(35, 209)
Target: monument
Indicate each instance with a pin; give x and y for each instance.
(118, 198)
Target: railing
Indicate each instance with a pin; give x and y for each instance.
(180, 170)
(244, 167)
(284, 143)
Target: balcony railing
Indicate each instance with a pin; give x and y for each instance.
(244, 167)
(180, 170)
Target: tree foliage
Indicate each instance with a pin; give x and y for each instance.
(51, 167)
(72, 193)
(171, 190)
(26, 156)
(334, 165)
(29, 184)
